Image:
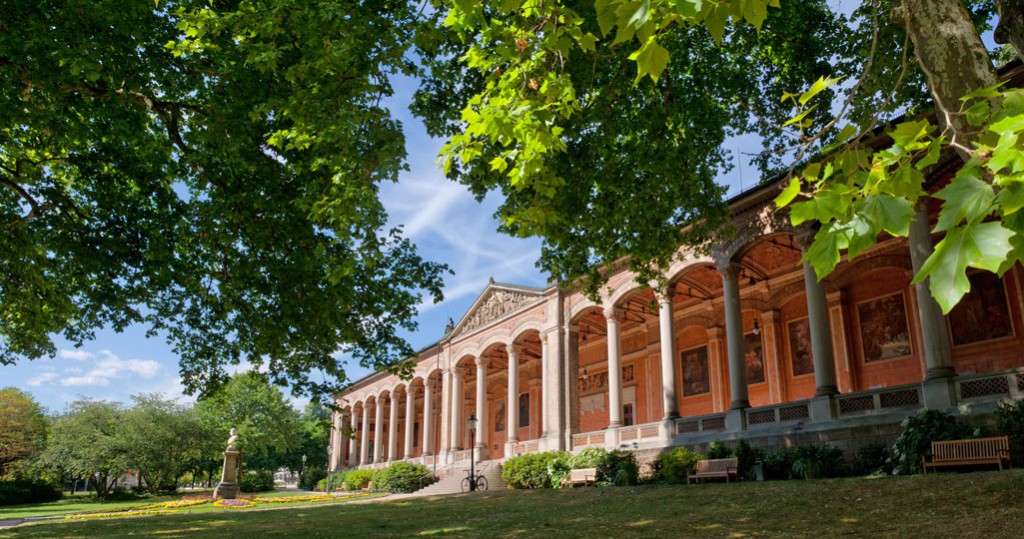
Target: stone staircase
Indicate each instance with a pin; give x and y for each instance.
(453, 483)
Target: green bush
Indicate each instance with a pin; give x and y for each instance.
(919, 431)
(618, 468)
(558, 468)
(718, 450)
(403, 477)
(311, 477)
(779, 465)
(532, 470)
(358, 479)
(590, 457)
(1010, 421)
(334, 481)
(816, 461)
(257, 481)
(873, 458)
(673, 466)
(22, 491)
(746, 457)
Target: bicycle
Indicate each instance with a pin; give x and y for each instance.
(479, 479)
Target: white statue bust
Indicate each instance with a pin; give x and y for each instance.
(232, 439)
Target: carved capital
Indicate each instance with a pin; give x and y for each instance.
(804, 235)
(481, 362)
(728, 269)
(613, 314)
(665, 295)
(514, 351)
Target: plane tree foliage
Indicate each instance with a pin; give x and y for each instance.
(210, 170)
(599, 164)
(528, 100)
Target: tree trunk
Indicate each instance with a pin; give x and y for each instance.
(951, 55)
(1010, 29)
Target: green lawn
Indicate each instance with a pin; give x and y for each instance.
(983, 504)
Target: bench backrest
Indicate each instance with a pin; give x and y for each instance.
(716, 465)
(582, 474)
(970, 449)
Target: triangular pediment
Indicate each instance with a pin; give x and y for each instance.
(495, 302)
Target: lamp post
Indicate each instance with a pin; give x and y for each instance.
(471, 423)
(302, 470)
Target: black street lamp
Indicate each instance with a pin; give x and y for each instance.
(471, 423)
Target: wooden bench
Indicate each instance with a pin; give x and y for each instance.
(967, 452)
(582, 476)
(708, 468)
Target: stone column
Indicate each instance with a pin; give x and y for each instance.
(613, 316)
(669, 380)
(822, 408)
(552, 401)
(844, 371)
(378, 432)
(447, 386)
(428, 418)
(410, 419)
(938, 380)
(512, 406)
(481, 406)
(353, 441)
(718, 375)
(736, 419)
(456, 415)
(364, 441)
(392, 427)
(771, 324)
(335, 447)
(571, 377)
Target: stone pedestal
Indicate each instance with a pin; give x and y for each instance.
(228, 488)
(822, 408)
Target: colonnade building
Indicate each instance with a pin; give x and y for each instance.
(743, 342)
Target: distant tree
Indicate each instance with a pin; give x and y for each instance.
(267, 425)
(163, 439)
(88, 441)
(22, 428)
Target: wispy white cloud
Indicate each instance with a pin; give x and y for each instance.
(111, 367)
(42, 378)
(77, 355)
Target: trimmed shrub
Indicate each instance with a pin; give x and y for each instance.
(747, 456)
(779, 465)
(403, 477)
(619, 468)
(1010, 421)
(334, 481)
(919, 431)
(718, 450)
(256, 481)
(673, 466)
(532, 470)
(873, 458)
(22, 491)
(311, 477)
(356, 480)
(816, 461)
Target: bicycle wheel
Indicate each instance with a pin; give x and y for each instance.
(465, 484)
(481, 482)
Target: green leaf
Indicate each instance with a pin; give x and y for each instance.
(981, 245)
(789, 193)
(887, 213)
(819, 85)
(967, 198)
(651, 60)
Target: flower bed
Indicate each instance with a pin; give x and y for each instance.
(121, 513)
(310, 498)
(176, 504)
(234, 504)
